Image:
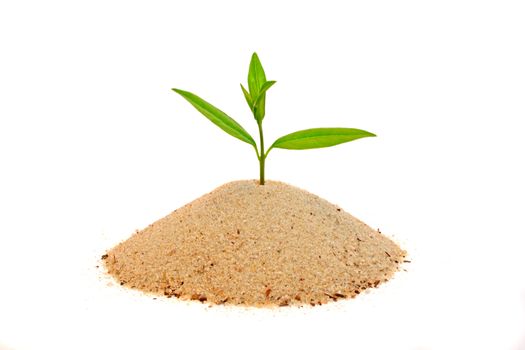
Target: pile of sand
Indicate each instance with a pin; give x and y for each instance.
(256, 245)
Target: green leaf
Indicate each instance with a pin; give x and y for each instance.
(260, 110)
(263, 90)
(217, 117)
(247, 97)
(259, 106)
(256, 76)
(319, 137)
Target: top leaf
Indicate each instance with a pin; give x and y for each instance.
(256, 76)
(248, 97)
(217, 117)
(319, 138)
(262, 92)
(259, 105)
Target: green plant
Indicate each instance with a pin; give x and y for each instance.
(256, 98)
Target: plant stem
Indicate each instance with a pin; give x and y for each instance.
(262, 156)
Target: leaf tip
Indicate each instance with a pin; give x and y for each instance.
(255, 59)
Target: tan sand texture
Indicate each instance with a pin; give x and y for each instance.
(255, 245)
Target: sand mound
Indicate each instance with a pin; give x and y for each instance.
(256, 245)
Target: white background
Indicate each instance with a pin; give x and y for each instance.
(94, 144)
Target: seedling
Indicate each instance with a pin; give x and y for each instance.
(256, 98)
